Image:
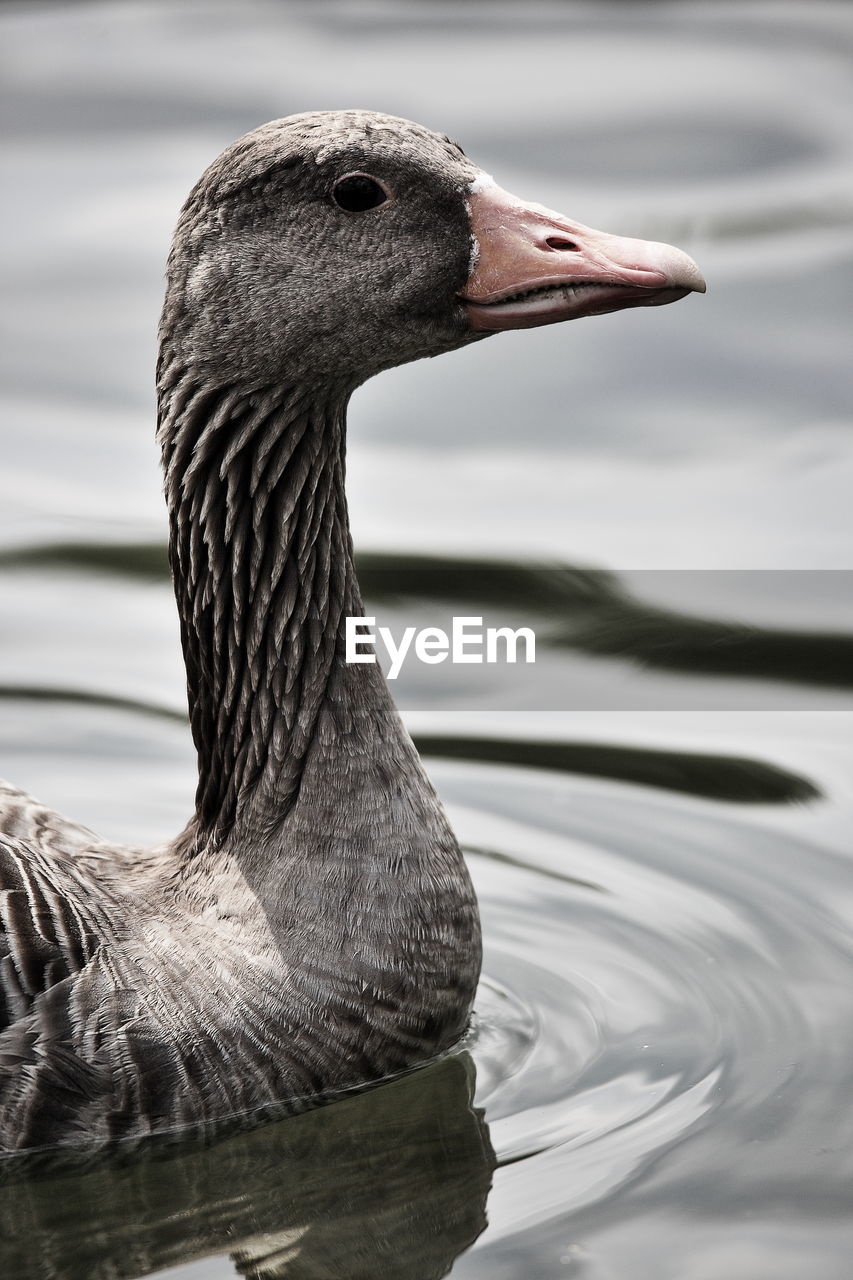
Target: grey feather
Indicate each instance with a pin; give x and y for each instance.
(314, 926)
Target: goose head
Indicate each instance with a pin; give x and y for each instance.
(331, 245)
(313, 253)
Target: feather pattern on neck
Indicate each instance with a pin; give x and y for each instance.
(262, 565)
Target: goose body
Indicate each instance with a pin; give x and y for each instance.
(314, 927)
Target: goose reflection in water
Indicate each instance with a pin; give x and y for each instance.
(389, 1183)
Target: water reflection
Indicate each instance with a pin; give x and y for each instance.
(593, 612)
(716, 776)
(388, 1184)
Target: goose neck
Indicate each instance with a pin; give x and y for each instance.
(261, 560)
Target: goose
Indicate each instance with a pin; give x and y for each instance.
(313, 929)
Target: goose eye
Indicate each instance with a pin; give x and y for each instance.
(357, 192)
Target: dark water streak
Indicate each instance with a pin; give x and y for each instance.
(585, 610)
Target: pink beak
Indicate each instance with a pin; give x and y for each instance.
(535, 267)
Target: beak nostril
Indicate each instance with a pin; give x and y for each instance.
(562, 242)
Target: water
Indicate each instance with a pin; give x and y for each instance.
(658, 816)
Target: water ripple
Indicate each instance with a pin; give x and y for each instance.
(690, 963)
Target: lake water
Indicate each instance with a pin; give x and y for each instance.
(658, 816)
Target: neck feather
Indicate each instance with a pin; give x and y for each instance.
(262, 565)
